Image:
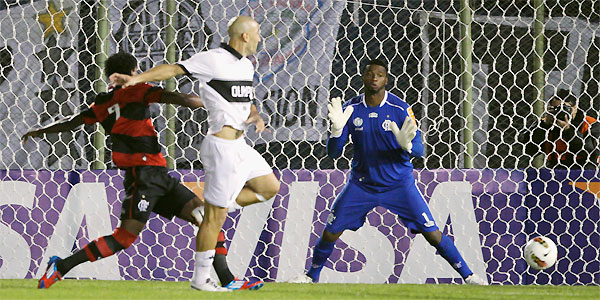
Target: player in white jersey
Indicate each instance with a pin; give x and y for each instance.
(236, 175)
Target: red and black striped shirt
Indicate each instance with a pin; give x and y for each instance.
(124, 113)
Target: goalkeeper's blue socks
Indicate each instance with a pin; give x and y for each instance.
(321, 253)
(450, 253)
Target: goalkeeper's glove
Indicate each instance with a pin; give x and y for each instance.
(338, 117)
(405, 135)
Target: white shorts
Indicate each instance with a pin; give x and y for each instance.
(228, 165)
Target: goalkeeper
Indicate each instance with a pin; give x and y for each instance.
(385, 137)
(124, 113)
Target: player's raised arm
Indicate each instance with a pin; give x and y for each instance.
(338, 119)
(405, 135)
(187, 100)
(67, 124)
(418, 148)
(158, 73)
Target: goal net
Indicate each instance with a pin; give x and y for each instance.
(476, 73)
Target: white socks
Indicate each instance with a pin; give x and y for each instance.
(203, 263)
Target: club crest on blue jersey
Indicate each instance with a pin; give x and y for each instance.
(387, 125)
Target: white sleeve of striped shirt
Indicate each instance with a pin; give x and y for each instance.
(200, 65)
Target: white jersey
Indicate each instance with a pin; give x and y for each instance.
(226, 86)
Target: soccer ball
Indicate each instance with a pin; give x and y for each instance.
(540, 253)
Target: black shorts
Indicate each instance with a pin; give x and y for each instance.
(152, 189)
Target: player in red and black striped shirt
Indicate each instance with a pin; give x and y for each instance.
(124, 114)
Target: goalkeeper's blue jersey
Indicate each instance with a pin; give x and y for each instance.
(379, 162)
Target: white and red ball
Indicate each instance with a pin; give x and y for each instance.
(540, 253)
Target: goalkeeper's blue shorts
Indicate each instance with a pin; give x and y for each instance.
(355, 202)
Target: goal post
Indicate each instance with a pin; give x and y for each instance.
(476, 74)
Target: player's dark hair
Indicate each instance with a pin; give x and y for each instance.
(121, 63)
(566, 96)
(377, 62)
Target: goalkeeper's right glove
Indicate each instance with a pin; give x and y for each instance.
(405, 135)
(338, 117)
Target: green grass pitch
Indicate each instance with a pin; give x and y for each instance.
(100, 289)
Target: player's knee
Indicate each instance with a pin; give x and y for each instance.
(214, 217)
(124, 237)
(331, 237)
(434, 238)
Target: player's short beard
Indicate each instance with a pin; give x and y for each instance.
(370, 91)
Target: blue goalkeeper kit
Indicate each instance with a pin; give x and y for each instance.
(381, 175)
(381, 172)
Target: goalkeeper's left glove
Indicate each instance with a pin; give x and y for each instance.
(405, 135)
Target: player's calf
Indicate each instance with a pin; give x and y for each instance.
(110, 244)
(271, 189)
(259, 189)
(449, 252)
(102, 247)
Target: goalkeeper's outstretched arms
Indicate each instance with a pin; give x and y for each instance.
(335, 145)
(67, 124)
(338, 118)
